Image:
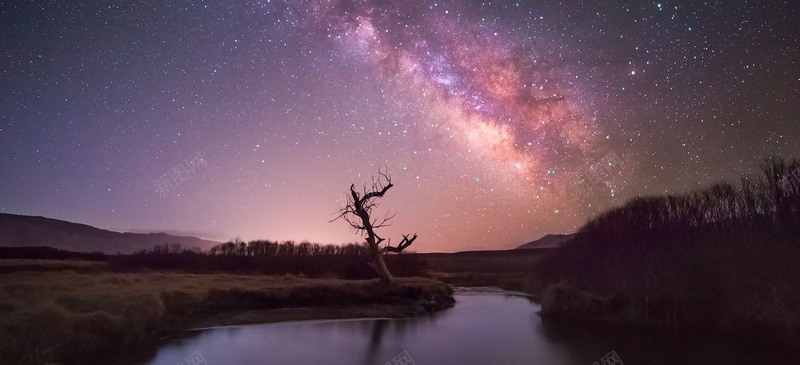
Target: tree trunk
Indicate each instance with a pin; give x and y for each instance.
(377, 260)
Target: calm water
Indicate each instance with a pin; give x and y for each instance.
(484, 328)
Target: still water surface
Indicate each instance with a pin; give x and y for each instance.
(484, 328)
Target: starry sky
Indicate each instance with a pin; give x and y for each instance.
(498, 121)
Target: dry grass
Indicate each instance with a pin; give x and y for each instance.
(68, 317)
(510, 269)
(508, 261)
(516, 281)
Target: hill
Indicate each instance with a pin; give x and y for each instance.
(722, 257)
(29, 231)
(548, 241)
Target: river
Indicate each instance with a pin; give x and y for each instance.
(485, 327)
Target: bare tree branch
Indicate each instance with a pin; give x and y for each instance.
(401, 246)
(357, 212)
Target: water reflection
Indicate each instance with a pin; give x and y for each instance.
(483, 328)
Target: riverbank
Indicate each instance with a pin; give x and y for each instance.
(509, 269)
(64, 317)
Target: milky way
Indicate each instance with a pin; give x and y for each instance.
(510, 100)
(499, 121)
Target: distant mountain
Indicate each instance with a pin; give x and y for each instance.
(549, 241)
(27, 231)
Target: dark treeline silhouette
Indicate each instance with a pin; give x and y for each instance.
(348, 261)
(48, 253)
(262, 248)
(724, 256)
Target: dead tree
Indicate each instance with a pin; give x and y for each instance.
(358, 213)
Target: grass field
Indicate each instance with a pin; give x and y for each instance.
(510, 269)
(68, 317)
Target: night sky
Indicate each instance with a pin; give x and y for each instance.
(499, 121)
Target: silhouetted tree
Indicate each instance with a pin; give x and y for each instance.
(358, 213)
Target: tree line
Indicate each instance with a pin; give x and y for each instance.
(259, 248)
(764, 204)
(346, 261)
(262, 248)
(715, 255)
